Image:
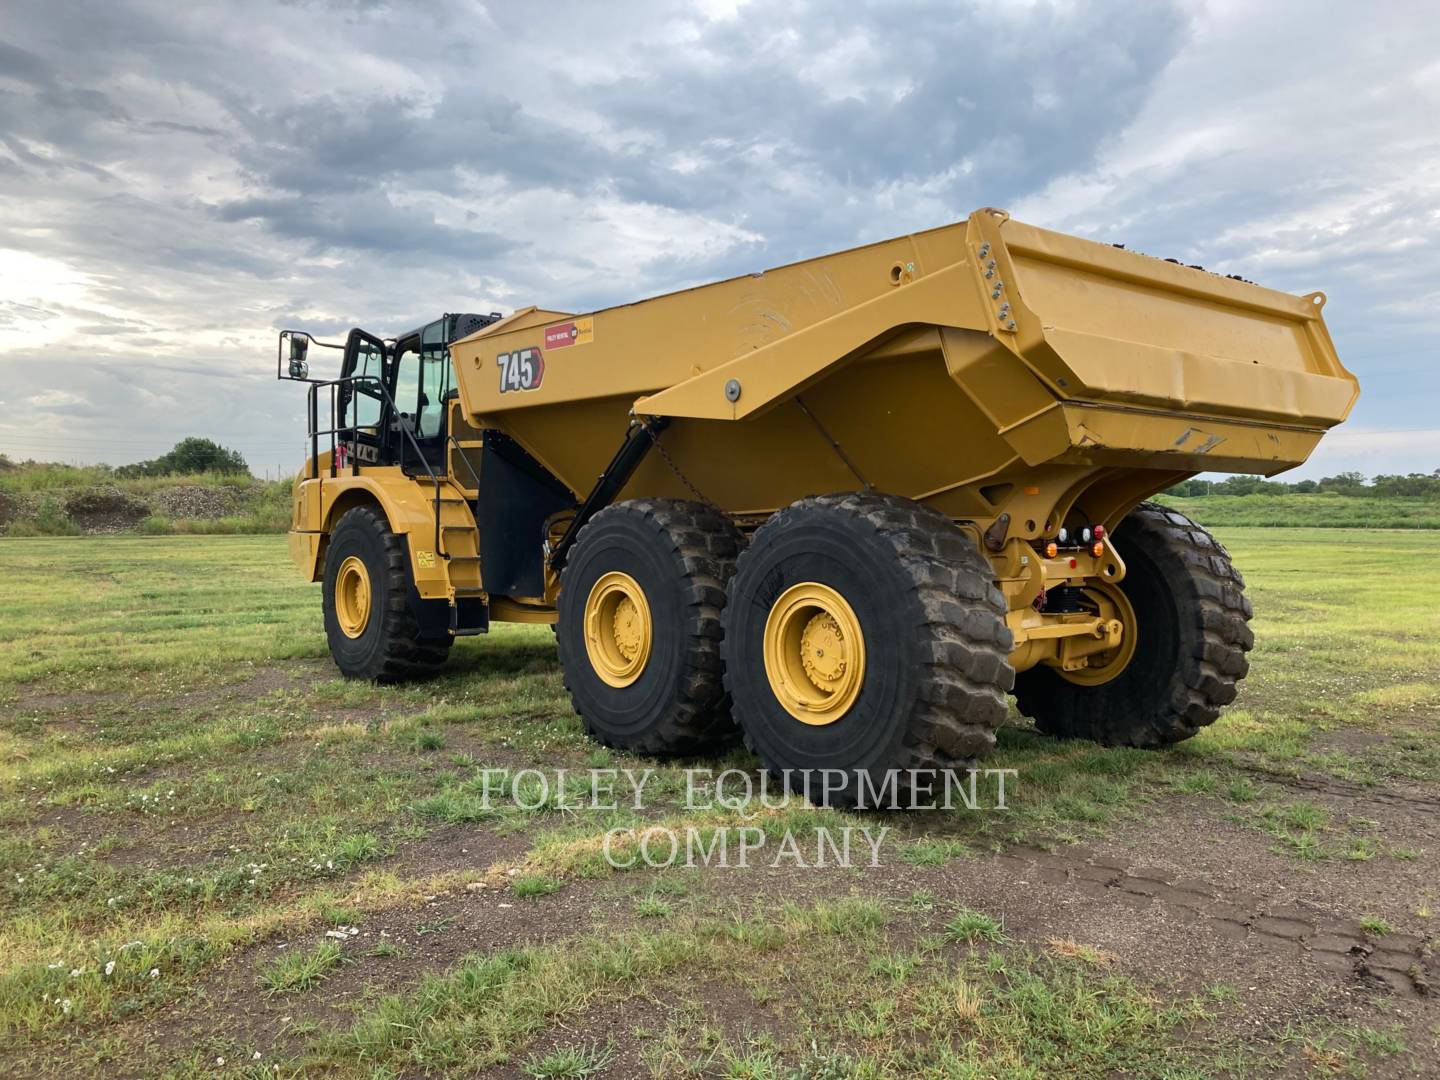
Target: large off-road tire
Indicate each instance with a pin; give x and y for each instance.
(371, 628)
(1191, 639)
(907, 669)
(639, 631)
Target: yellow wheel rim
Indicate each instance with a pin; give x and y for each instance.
(1114, 604)
(352, 597)
(814, 653)
(617, 629)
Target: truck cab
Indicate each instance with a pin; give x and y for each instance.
(392, 460)
(390, 402)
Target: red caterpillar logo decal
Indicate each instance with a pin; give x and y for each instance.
(521, 370)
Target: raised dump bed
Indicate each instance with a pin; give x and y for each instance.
(948, 366)
(933, 451)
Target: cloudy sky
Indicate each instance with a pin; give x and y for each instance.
(180, 180)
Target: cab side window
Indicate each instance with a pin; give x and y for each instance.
(435, 380)
(407, 389)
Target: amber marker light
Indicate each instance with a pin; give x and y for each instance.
(1051, 550)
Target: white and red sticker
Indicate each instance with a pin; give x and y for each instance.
(576, 332)
(521, 370)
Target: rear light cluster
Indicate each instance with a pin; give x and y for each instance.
(1091, 536)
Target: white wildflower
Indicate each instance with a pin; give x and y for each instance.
(65, 1006)
(154, 973)
(110, 967)
(75, 973)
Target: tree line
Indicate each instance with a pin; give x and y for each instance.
(1410, 485)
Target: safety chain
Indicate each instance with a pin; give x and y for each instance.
(680, 475)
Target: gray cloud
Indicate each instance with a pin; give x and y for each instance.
(182, 182)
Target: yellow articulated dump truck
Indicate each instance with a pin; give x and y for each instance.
(846, 505)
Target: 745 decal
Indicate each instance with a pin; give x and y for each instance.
(521, 370)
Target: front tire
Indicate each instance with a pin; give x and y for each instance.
(372, 632)
(639, 628)
(1190, 636)
(864, 634)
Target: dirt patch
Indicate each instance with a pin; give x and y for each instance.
(242, 687)
(453, 848)
(234, 686)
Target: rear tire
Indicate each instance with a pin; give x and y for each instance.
(919, 618)
(670, 561)
(386, 644)
(1191, 639)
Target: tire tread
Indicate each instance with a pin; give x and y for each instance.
(961, 633)
(1210, 596)
(404, 655)
(704, 543)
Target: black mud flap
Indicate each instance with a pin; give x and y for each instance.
(518, 496)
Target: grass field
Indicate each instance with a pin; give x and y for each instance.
(218, 856)
(1318, 510)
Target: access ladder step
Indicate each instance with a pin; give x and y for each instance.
(469, 613)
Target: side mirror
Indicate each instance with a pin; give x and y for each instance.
(299, 348)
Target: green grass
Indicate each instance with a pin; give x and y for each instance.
(974, 926)
(18, 478)
(301, 969)
(570, 1062)
(1374, 926)
(536, 885)
(1317, 510)
(653, 907)
(184, 783)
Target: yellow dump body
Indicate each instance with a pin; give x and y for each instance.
(984, 367)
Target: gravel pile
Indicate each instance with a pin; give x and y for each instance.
(106, 508)
(196, 502)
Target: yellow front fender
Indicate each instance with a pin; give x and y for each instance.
(408, 506)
